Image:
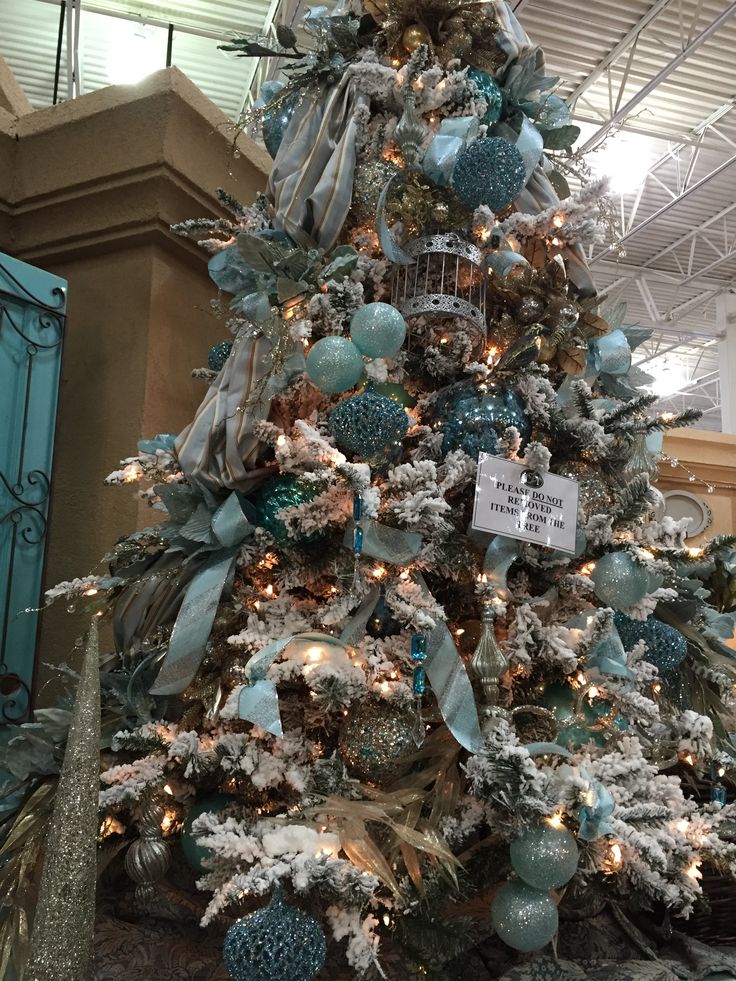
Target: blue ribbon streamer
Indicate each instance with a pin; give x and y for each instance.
(610, 354)
(499, 557)
(392, 545)
(391, 248)
(452, 688)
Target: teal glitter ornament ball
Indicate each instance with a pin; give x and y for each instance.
(472, 420)
(218, 355)
(277, 493)
(378, 330)
(194, 853)
(369, 426)
(276, 943)
(334, 365)
(619, 581)
(276, 119)
(545, 857)
(523, 917)
(489, 171)
(666, 647)
(491, 91)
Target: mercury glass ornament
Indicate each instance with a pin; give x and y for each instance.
(277, 493)
(545, 857)
(148, 858)
(472, 420)
(414, 36)
(276, 943)
(594, 496)
(666, 647)
(375, 741)
(276, 119)
(218, 355)
(195, 853)
(410, 130)
(369, 179)
(334, 364)
(369, 426)
(489, 171)
(524, 918)
(491, 92)
(378, 330)
(488, 662)
(619, 581)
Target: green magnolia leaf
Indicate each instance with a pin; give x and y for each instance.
(259, 254)
(560, 139)
(558, 182)
(287, 288)
(340, 267)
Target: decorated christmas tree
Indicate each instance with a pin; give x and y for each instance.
(412, 676)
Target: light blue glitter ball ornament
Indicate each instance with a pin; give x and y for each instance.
(545, 857)
(489, 171)
(369, 426)
(277, 493)
(218, 355)
(472, 421)
(276, 943)
(491, 92)
(523, 917)
(619, 581)
(334, 364)
(194, 853)
(666, 647)
(378, 330)
(276, 119)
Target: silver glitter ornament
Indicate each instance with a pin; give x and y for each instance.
(375, 741)
(148, 858)
(369, 180)
(276, 943)
(489, 171)
(594, 497)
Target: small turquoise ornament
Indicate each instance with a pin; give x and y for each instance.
(491, 91)
(218, 355)
(524, 918)
(560, 700)
(397, 393)
(369, 426)
(545, 857)
(334, 364)
(276, 943)
(575, 736)
(276, 119)
(277, 493)
(666, 647)
(194, 853)
(472, 420)
(619, 581)
(378, 330)
(489, 171)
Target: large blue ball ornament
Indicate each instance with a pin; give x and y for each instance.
(369, 426)
(218, 355)
(194, 853)
(523, 917)
(489, 171)
(472, 421)
(619, 581)
(491, 92)
(278, 493)
(334, 364)
(545, 857)
(666, 647)
(378, 330)
(276, 119)
(276, 943)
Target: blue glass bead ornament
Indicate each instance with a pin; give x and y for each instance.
(666, 647)
(523, 917)
(277, 493)
(194, 853)
(419, 647)
(489, 171)
(276, 118)
(369, 426)
(358, 540)
(334, 364)
(472, 421)
(545, 857)
(419, 685)
(718, 794)
(619, 581)
(276, 943)
(218, 355)
(378, 330)
(491, 91)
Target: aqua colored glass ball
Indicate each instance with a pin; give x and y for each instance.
(378, 330)
(619, 581)
(523, 917)
(491, 92)
(283, 491)
(194, 853)
(334, 365)
(472, 420)
(369, 426)
(545, 857)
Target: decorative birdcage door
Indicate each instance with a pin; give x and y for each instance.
(32, 319)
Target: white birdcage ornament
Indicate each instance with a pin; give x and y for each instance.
(446, 280)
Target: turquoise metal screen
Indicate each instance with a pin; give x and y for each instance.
(32, 319)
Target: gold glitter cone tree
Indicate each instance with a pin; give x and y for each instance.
(63, 929)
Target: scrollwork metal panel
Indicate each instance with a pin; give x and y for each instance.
(32, 320)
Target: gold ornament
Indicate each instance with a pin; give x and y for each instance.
(414, 36)
(62, 942)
